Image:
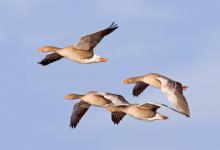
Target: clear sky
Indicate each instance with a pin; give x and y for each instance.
(179, 39)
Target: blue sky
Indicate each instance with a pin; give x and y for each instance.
(179, 39)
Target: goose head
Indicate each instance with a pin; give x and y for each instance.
(72, 96)
(47, 48)
(131, 80)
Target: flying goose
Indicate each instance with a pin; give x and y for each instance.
(172, 89)
(81, 52)
(100, 99)
(146, 112)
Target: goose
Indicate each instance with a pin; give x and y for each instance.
(145, 112)
(172, 89)
(93, 98)
(81, 52)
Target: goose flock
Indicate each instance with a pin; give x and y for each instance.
(117, 105)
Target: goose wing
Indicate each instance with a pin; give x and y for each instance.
(174, 93)
(163, 105)
(150, 106)
(50, 58)
(117, 117)
(139, 88)
(114, 98)
(88, 42)
(79, 110)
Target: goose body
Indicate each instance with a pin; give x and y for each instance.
(172, 89)
(81, 52)
(76, 55)
(145, 112)
(99, 99)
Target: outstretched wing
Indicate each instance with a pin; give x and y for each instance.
(139, 88)
(163, 105)
(178, 100)
(174, 93)
(79, 109)
(88, 42)
(50, 58)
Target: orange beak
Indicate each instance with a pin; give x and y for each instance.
(40, 49)
(103, 59)
(67, 97)
(125, 81)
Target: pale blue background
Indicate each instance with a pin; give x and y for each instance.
(180, 39)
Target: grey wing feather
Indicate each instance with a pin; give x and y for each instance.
(114, 98)
(88, 42)
(150, 106)
(163, 105)
(79, 109)
(176, 97)
(139, 88)
(182, 104)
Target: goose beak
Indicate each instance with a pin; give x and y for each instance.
(125, 81)
(67, 97)
(40, 49)
(103, 59)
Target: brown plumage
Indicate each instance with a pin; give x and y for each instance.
(81, 52)
(100, 99)
(174, 92)
(172, 89)
(146, 112)
(88, 42)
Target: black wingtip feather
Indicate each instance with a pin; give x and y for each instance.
(139, 88)
(117, 118)
(187, 115)
(113, 26)
(76, 116)
(72, 126)
(136, 93)
(43, 63)
(73, 123)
